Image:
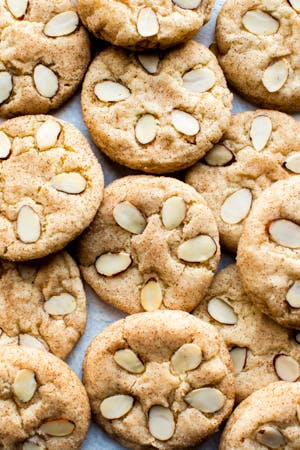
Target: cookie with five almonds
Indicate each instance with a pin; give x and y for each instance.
(153, 244)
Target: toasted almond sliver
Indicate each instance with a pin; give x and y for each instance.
(295, 4)
(129, 218)
(187, 357)
(28, 225)
(145, 129)
(116, 406)
(198, 249)
(129, 361)
(58, 428)
(111, 91)
(6, 86)
(110, 264)
(292, 162)
(27, 340)
(221, 311)
(270, 437)
(285, 232)
(17, 7)
(185, 123)
(151, 296)
(70, 183)
(199, 80)
(293, 295)
(62, 24)
(161, 423)
(237, 206)
(261, 130)
(173, 212)
(25, 385)
(259, 22)
(149, 61)
(47, 134)
(275, 76)
(5, 145)
(286, 367)
(60, 305)
(207, 400)
(45, 80)
(239, 358)
(147, 23)
(219, 155)
(187, 4)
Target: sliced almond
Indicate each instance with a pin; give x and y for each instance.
(47, 134)
(219, 155)
(28, 225)
(239, 358)
(147, 23)
(207, 400)
(188, 4)
(293, 295)
(285, 232)
(6, 86)
(62, 24)
(110, 264)
(25, 385)
(145, 129)
(116, 406)
(259, 22)
(188, 357)
(150, 62)
(221, 311)
(161, 423)
(129, 361)
(198, 249)
(60, 305)
(5, 145)
(30, 341)
(270, 437)
(295, 4)
(111, 91)
(185, 123)
(292, 162)
(70, 183)
(45, 80)
(28, 445)
(151, 296)
(173, 212)
(58, 428)
(17, 7)
(275, 76)
(129, 218)
(261, 130)
(298, 411)
(286, 367)
(237, 206)
(199, 80)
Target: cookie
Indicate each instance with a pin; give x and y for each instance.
(44, 54)
(51, 186)
(145, 25)
(262, 352)
(269, 418)
(44, 405)
(153, 244)
(258, 45)
(259, 148)
(269, 253)
(159, 380)
(157, 112)
(43, 304)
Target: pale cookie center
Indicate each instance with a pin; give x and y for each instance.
(173, 212)
(110, 264)
(6, 86)
(199, 80)
(206, 400)
(62, 24)
(187, 357)
(198, 249)
(260, 133)
(161, 423)
(5, 145)
(25, 385)
(116, 406)
(18, 8)
(270, 436)
(275, 76)
(221, 311)
(151, 295)
(129, 361)
(46, 81)
(219, 155)
(129, 218)
(237, 206)
(285, 232)
(58, 428)
(260, 22)
(147, 23)
(239, 358)
(111, 91)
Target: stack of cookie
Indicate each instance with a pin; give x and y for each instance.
(193, 343)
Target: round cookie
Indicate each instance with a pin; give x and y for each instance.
(161, 380)
(157, 112)
(259, 148)
(139, 24)
(43, 304)
(153, 244)
(262, 351)
(269, 253)
(44, 54)
(44, 405)
(269, 418)
(258, 45)
(51, 186)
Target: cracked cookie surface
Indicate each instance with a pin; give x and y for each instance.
(258, 43)
(259, 148)
(124, 23)
(43, 304)
(269, 250)
(43, 403)
(260, 349)
(157, 113)
(172, 389)
(44, 54)
(50, 189)
(153, 244)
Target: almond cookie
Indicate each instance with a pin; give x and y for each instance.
(258, 44)
(43, 403)
(43, 304)
(259, 148)
(269, 418)
(51, 186)
(159, 380)
(153, 244)
(157, 112)
(147, 24)
(44, 54)
(269, 253)
(262, 352)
